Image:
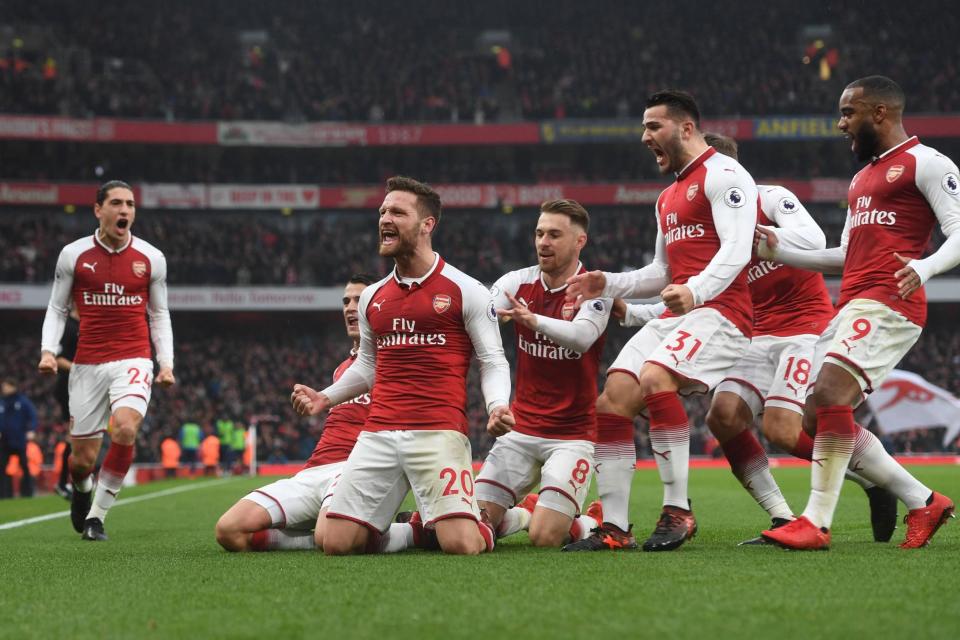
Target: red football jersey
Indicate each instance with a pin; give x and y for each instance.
(343, 426)
(423, 335)
(111, 290)
(786, 301)
(556, 387)
(685, 215)
(893, 205)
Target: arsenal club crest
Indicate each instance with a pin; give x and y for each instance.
(139, 268)
(568, 311)
(441, 302)
(692, 191)
(894, 172)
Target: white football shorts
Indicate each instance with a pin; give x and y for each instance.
(436, 465)
(518, 462)
(97, 390)
(699, 347)
(295, 502)
(774, 372)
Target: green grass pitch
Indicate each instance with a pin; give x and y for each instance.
(162, 576)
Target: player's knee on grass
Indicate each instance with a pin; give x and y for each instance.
(656, 379)
(621, 396)
(320, 529)
(729, 415)
(781, 427)
(493, 511)
(342, 537)
(235, 526)
(549, 528)
(459, 536)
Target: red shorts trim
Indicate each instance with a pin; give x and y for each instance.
(364, 523)
(785, 399)
(497, 484)
(746, 384)
(680, 375)
(448, 516)
(626, 371)
(87, 436)
(282, 512)
(848, 361)
(564, 494)
(128, 395)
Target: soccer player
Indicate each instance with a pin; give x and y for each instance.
(894, 203)
(118, 285)
(419, 327)
(291, 513)
(558, 356)
(791, 307)
(705, 223)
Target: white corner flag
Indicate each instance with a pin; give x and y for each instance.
(906, 401)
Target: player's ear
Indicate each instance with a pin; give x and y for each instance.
(428, 224)
(879, 113)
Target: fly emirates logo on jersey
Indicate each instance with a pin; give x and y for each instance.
(761, 269)
(405, 334)
(862, 214)
(543, 347)
(677, 232)
(111, 296)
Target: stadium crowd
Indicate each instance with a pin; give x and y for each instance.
(302, 61)
(323, 249)
(243, 370)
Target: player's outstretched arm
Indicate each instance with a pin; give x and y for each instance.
(501, 421)
(733, 203)
(158, 315)
(937, 179)
(55, 320)
(829, 261)
(307, 401)
(636, 315)
(480, 323)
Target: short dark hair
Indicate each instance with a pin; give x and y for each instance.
(105, 188)
(724, 144)
(677, 102)
(428, 200)
(361, 278)
(881, 89)
(570, 208)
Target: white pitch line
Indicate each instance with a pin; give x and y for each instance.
(122, 501)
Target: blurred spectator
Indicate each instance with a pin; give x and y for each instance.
(18, 422)
(243, 60)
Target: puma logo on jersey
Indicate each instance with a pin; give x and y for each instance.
(796, 391)
(87, 265)
(378, 304)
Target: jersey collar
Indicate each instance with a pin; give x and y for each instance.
(909, 143)
(696, 162)
(543, 283)
(410, 282)
(108, 248)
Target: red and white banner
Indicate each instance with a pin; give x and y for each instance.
(905, 401)
(279, 134)
(173, 196)
(263, 196)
